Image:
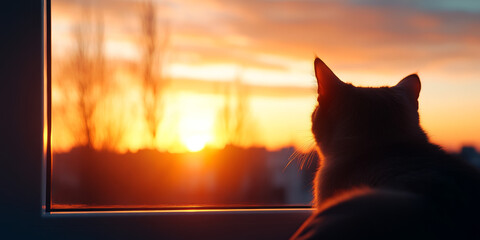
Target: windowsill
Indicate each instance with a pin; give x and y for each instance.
(234, 223)
(88, 212)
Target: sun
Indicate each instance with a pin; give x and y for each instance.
(195, 143)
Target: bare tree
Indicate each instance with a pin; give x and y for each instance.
(86, 70)
(233, 117)
(153, 52)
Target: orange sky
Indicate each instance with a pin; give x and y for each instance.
(270, 45)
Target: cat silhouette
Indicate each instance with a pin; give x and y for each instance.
(379, 175)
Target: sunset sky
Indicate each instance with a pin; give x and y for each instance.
(269, 45)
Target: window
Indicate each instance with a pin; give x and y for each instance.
(25, 213)
(155, 106)
(174, 104)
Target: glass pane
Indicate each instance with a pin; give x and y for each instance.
(168, 104)
(175, 103)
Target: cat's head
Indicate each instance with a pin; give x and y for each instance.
(349, 118)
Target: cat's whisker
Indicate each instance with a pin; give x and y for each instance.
(303, 154)
(292, 157)
(309, 158)
(290, 160)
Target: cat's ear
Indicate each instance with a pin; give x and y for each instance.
(411, 85)
(326, 79)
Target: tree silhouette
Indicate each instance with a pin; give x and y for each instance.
(86, 71)
(233, 117)
(153, 48)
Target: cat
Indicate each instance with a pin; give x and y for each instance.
(379, 176)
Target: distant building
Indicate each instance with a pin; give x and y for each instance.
(296, 183)
(471, 155)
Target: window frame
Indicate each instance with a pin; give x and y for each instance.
(25, 172)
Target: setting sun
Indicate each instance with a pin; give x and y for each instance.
(195, 143)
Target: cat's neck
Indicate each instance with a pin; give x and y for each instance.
(352, 149)
(351, 146)
(355, 163)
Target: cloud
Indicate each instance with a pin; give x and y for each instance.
(401, 36)
(350, 33)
